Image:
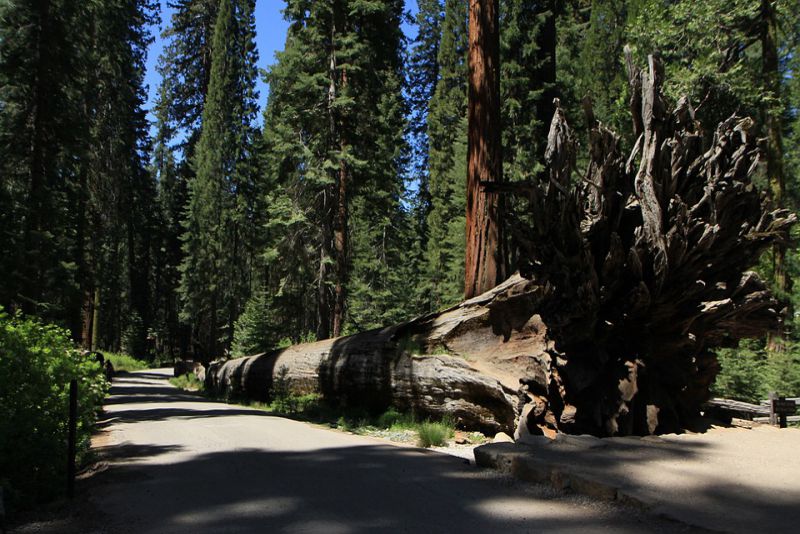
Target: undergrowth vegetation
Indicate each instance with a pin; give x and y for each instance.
(311, 407)
(188, 382)
(125, 362)
(749, 373)
(37, 362)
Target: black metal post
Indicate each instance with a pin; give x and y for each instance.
(73, 424)
(782, 416)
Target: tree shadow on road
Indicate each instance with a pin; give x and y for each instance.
(349, 489)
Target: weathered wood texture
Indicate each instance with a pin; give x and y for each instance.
(463, 362)
(642, 266)
(484, 260)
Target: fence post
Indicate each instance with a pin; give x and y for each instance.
(73, 423)
(773, 417)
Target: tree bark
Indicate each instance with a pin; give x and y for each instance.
(340, 231)
(772, 87)
(485, 261)
(644, 266)
(464, 362)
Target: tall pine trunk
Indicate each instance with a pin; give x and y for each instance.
(484, 262)
(772, 88)
(340, 220)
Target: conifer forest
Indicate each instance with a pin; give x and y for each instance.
(222, 222)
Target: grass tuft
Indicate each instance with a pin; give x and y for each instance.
(432, 434)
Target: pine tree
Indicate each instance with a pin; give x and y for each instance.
(172, 198)
(446, 130)
(39, 145)
(219, 238)
(334, 136)
(185, 66)
(122, 191)
(523, 144)
(185, 69)
(423, 74)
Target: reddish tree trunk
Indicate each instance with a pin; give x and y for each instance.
(484, 259)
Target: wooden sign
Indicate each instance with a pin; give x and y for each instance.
(784, 407)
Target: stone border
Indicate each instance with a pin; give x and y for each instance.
(520, 462)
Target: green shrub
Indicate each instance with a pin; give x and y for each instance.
(188, 382)
(434, 434)
(389, 418)
(124, 362)
(37, 362)
(254, 331)
(392, 419)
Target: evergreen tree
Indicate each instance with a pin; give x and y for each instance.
(446, 129)
(185, 66)
(423, 74)
(221, 217)
(334, 137)
(523, 144)
(40, 66)
(172, 198)
(121, 190)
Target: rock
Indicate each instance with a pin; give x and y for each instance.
(461, 438)
(502, 437)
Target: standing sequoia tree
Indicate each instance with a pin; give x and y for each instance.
(484, 260)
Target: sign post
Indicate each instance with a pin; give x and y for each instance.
(779, 409)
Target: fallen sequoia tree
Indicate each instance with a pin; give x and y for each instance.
(628, 280)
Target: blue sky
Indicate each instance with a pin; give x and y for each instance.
(270, 37)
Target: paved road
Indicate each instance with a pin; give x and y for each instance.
(181, 464)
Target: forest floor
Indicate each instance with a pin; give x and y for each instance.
(173, 462)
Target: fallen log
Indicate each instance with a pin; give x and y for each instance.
(464, 362)
(629, 278)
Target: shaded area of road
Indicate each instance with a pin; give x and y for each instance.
(728, 479)
(177, 463)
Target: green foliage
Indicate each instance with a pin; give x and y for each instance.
(331, 132)
(432, 434)
(37, 362)
(390, 418)
(188, 382)
(254, 331)
(124, 362)
(447, 132)
(221, 218)
(751, 372)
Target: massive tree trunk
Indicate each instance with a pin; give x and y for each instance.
(463, 362)
(629, 279)
(485, 261)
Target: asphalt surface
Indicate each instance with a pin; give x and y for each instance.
(177, 463)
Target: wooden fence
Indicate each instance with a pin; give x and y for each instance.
(726, 409)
